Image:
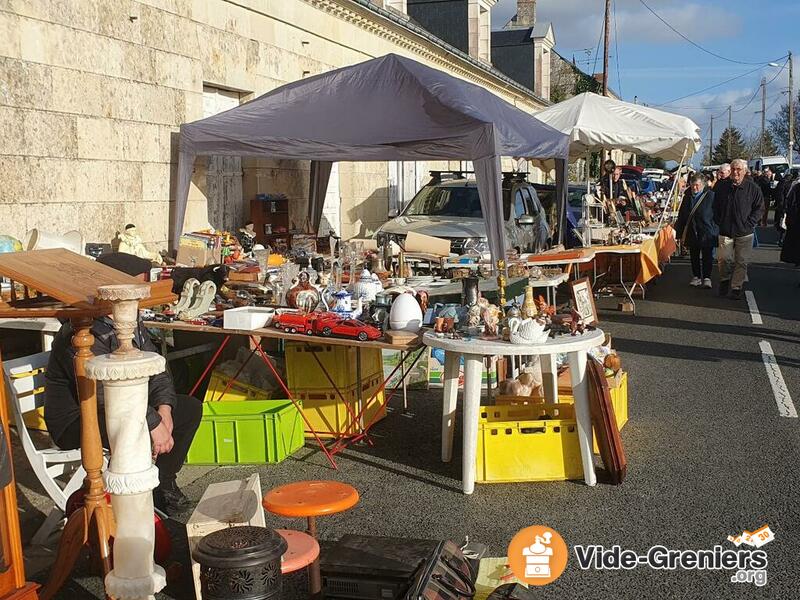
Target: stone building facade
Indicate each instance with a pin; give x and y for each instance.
(92, 93)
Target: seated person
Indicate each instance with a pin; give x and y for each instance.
(171, 418)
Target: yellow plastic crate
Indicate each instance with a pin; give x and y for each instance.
(329, 414)
(304, 372)
(238, 391)
(34, 419)
(532, 442)
(619, 399)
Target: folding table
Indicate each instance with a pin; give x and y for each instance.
(359, 429)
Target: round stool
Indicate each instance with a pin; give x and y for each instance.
(302, 550)
(309, 500)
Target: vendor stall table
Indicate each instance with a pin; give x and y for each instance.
(341, 441)
(647, 267)
(473, 352)
(570, 258)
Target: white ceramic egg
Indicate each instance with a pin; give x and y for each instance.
(405, 314)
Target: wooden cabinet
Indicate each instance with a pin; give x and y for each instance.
(270, 216)
(12, 573)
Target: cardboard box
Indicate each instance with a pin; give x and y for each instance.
(199, 252)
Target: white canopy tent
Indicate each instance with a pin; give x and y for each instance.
(595, 122)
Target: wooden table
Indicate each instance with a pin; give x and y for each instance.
(473, 351)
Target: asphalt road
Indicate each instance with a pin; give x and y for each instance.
(708, 453)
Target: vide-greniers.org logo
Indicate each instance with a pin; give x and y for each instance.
(750, 564)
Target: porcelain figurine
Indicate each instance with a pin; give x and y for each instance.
(491, 321)
(474, 316)
(247, 238)
(405, 315)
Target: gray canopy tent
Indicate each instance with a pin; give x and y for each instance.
(388, 108)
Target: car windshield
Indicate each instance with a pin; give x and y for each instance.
(446, 201)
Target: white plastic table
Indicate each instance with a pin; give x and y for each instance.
(473, 352)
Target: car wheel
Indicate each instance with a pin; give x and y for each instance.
(362, 335)
(277, 325)
(292, 330)
(326, 331)
(309, 332)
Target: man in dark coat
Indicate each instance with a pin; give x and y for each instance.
(738, 207)
(790, 253)
(172, 419)
(697, 230)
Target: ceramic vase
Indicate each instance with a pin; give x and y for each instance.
(528, 309)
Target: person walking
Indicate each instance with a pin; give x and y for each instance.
(790, 252)
(766, 181)
(781, 197)
(696, 229)
(738, 206)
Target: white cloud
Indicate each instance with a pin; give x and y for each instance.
(577, 23)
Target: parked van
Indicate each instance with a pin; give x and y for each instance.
(777, 164)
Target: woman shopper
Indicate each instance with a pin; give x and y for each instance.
(697, 230)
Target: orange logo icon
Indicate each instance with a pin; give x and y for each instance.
(537, 555)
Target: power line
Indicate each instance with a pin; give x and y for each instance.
(698, 46)
(711, 87)
(616, 48)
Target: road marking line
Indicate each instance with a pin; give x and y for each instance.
(782, 396)
(755, 316)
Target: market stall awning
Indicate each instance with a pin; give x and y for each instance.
(593, 122)
(388, 108)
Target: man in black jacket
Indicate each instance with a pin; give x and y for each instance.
(171, 418)
(738, 206)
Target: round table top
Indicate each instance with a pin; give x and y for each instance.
(310, 498)
(562, 343)
(302, 550)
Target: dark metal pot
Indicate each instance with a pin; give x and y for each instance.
(241, 563)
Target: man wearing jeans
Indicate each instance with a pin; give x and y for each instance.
(738, 206)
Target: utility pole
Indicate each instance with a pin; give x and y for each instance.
(711, 142)
(763, 114)
(729, 133)
(606, 41)
(791, 110)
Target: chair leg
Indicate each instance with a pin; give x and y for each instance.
(43, 534)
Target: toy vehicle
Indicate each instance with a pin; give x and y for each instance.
(295, 322)
(328, 324)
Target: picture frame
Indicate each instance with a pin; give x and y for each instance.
(583, 300)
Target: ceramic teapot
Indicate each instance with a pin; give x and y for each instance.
(526, 331)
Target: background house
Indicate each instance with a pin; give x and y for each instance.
(94, 92)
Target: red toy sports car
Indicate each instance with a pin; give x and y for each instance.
(328, 324)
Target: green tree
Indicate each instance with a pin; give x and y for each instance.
(737, 147)
(779, 125)
(758, 146)
(650, 162)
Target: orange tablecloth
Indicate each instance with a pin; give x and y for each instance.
(646, 253)
(665, 243)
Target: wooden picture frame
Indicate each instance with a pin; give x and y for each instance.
(583, 300)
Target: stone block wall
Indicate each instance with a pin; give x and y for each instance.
(92, 93)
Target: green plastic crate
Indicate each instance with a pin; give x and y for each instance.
(248, 432)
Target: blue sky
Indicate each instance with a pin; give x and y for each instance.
(657, 66)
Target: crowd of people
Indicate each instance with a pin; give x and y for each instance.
(720, 213)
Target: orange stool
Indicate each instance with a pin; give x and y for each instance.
(309, 500)
(302, 550)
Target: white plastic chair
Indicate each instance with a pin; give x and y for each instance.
(25, 382)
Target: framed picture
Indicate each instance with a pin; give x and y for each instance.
(583, 299)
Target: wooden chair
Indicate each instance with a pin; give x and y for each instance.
(25, 381)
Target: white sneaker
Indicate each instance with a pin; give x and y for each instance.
(696, 282)
(707, 283)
